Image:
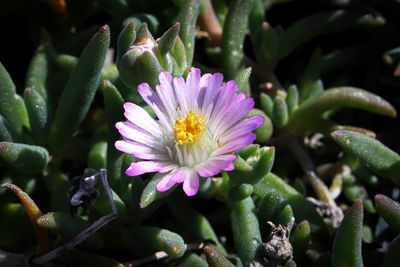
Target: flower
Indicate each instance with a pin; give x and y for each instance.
(199, 127)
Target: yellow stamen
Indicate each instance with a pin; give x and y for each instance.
(188, 129)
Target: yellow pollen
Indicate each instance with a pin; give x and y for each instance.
(188, 129)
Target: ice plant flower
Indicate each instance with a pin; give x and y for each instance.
(198, 128)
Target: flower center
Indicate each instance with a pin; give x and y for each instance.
(188, 129)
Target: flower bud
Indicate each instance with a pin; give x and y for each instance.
(146, 58)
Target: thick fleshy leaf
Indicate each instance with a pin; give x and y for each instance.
(33, 213)
(98, 156)
(346, 249)
(66, 227)
(216, 259)
(242, 79)
(267, 104)
(150, 192)
(80, 89)
(12, 107)
(302, 209)
(292, 99)
(285, 215)
(300, 239)
(178, 54)
(167, 40)
(314, 25)
(372, 153)
(261, 162)
(193, 221)
(389, 210)
(6, 131)
(27, 159)
(310, 76)
(125, 40)
(264, 132)
(38, 113)
(268, 209)
(309, 115)
(160, 239)
(113, 103)
(246, 232)
(233, 36)
(280, 112)
(240, 192)
(40, 68)
(187, 18)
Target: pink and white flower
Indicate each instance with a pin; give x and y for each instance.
(198, 128)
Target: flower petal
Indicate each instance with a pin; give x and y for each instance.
(236, 144)
(137, 115)
(138, 168)
(215, 165)
(135, 133)
(242, 127)
(192, 85)
(140, 151)
(152, 99)
(180, 94)
(191, 184)
(166, 183)
(235, 112)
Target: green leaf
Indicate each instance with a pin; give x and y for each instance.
(27, 159)
(40, 67)
(311, 75)
(280, 113)
(261, 162)
(314, 25)
(38, 115)
(6, 131)
(233, 36)
(267, 53)
(80, 89)
(347, 243)
(113, 103)
(308, 116)
(167, 40)
(192, 221)
(267, 104)
(245, 229)
(187, 18)
(178, 54)
(300, 239)
(125, 40)
(190, 259)
(216, 259)
(12, 107)
(268, 209)
(240, 192)
(285, 215)
(389, 210)
(66, 227)
(372, 153)
(264, 132)
(392, 258)
(302, 209)
(150, 192)
(292, 99)
(160, 239)
(242, 79)
(98, 156)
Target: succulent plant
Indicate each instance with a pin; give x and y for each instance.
(255, 106)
